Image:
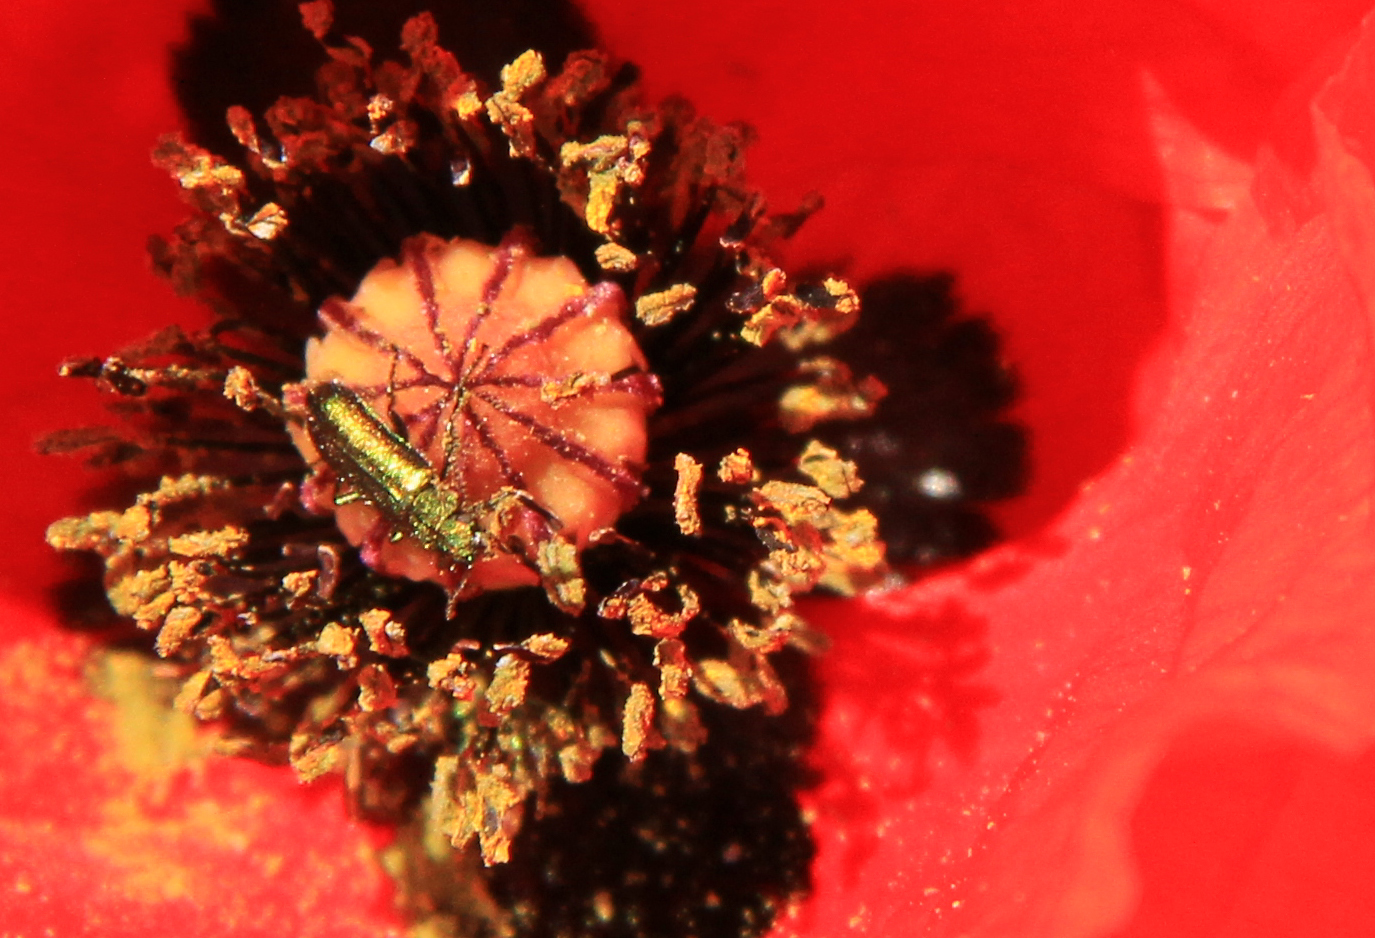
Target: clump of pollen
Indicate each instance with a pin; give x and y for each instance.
(493, 467)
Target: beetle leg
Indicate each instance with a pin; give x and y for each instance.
(397, 422)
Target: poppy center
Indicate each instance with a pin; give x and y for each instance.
(503, 401)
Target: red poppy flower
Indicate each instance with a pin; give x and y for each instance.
(1151, 712)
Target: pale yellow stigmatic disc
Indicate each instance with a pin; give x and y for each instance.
(507, 371)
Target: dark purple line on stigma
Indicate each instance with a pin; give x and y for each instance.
(425, 380)
(516, 381)
(639, 383)
(424, 282)
(428, 417)
(447, 440)
(505, 260)
(338, 313)
(509, 472)
(540, 331)
(569, 450)
(642, 384)
(450, 443)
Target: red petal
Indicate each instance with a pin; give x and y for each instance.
(99, 835)
(88, 95)
(90, 842)
(1171, 732)
(1011, 143)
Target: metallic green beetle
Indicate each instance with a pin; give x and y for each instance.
(381, 468)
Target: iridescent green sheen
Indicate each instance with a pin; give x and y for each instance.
(380, 468)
